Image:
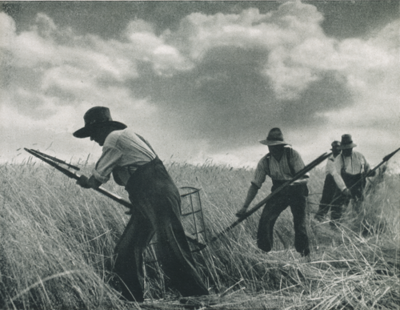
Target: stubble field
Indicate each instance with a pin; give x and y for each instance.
(57, 243)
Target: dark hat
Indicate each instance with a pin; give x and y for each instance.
(335, 144)
(275, 137)
(94, 117)
(347, 142)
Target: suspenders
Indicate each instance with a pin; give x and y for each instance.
(288, 151)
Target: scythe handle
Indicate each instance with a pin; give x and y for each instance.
(120, 200)
(384, 159)
(76, 176)
(369, 173)
(297, 176)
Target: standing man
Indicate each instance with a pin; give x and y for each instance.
(281, 164)
(156, 206)
(330, 187)
(349, 175)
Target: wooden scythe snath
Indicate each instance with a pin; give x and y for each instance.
(370, 173)
(297, 176)
(54, 162)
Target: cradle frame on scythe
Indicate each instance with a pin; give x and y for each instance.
(192, 219)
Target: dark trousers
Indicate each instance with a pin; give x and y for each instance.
(295, 197)
(156, 210)
(328, 194)
(356, 186)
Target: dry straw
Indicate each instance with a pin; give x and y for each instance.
(58, 241)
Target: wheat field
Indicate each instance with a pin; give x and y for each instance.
(57, 243)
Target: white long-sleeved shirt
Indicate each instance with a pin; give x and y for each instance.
(330, 165)
(123, 152)
(354, 164)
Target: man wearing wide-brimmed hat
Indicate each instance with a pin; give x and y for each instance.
(349, 175)
(280, 164)
(330, 187)
(156, 206)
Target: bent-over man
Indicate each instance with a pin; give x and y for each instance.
(156, 206)
(349, 175)
(330, 187)
(281, 164)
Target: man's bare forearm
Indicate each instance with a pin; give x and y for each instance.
(251, 194)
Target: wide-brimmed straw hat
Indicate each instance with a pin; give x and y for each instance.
(347, 142)
(335, 144)
(94, 117)
(275, 137)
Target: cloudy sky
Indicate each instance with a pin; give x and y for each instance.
(202, 80)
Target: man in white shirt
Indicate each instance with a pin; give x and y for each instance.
(156, 206)
(330, 187)
(349, 175)
(281, 164)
